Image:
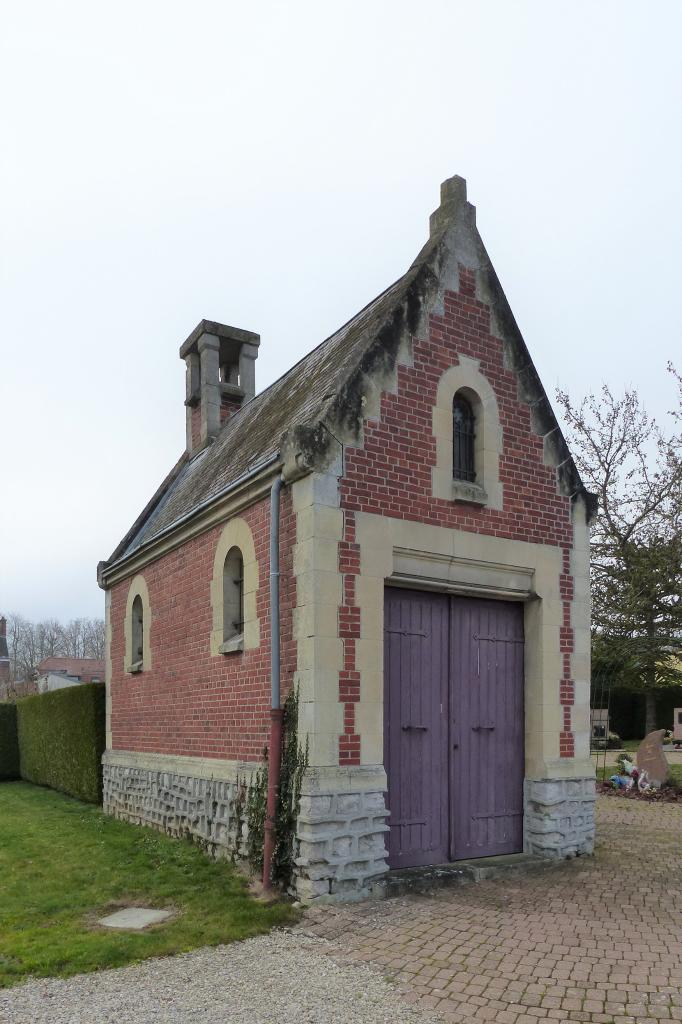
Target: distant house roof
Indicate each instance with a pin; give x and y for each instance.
(86, 669)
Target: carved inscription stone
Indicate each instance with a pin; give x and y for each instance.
(651, 759)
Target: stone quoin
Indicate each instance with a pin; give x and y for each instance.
(434, 601)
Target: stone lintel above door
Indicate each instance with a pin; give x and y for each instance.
(459, 575)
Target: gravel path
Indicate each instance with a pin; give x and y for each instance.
(281, 977)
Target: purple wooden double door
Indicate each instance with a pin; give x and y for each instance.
(453, 727)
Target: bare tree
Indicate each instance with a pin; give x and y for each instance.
(17, 631)
(50, 637)
(73, 638)
(29, 643)
(635, 468)
(93, 642)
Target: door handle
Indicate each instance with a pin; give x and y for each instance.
(481, 728)
(415, 728)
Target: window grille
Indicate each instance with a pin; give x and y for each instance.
(239, 584)
(233, 594)
(138, 630)
(463, 467)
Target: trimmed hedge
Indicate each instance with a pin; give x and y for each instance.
(9, 744)
(62, 738)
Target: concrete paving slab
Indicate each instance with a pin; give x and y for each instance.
(134, 918)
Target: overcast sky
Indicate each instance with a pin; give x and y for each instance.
(272, 166)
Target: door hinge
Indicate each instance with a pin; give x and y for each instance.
(407, 632)
(498, 639)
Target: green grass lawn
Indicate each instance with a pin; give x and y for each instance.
(64, 863)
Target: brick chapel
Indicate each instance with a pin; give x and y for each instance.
(431, 557)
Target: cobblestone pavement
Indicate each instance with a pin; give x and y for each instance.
(598, 939)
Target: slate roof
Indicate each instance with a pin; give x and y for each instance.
(251, 437)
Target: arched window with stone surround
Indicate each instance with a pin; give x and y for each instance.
(233, 595)
(235, 625)
(468, 435)
(137, 624)
(463, 439)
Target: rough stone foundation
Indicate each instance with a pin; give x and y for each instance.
(559, 817)
(341, 833)
(341, 844)
(180, 805)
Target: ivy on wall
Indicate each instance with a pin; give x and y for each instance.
(251, 802)
(256, 809)
(294, 764)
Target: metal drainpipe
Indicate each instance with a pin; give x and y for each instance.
(275, 746)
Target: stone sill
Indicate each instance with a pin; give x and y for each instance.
(232, 646)
(472, 494)
(137, 666)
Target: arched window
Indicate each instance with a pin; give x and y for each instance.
(136, 629)
(233, 595)
(137, 632)
(463, 462)
(235, 625)
(468, 435)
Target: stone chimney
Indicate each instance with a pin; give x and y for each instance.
(4, 653)
(221, 377)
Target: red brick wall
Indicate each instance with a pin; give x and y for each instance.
(228, 407)
(196, 426)
(391, 475)
(191, 703)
